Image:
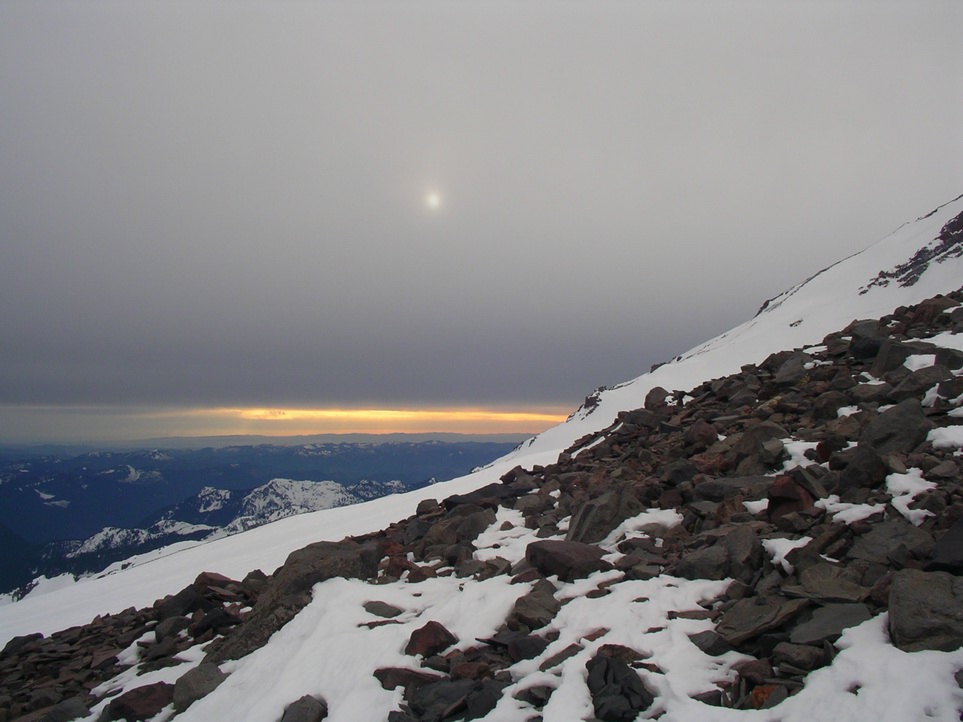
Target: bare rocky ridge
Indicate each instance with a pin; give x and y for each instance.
(798, 433)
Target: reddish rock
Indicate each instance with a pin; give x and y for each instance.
(141, 703)
(567, 559)
(787, 496)
(701, 435)
(430, 639)
(212, 579)
(391, 677)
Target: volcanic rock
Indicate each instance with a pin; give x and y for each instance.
(926, 611)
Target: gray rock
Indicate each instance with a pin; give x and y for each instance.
(474, 524)
(828, 623)
(827, 405)
(752, 487)
(801, 656)
(745, 553)
(948, 551)
(593, 521)
(749, 618)
(872, 393)
(618, 693)
(793, 369)
(918, 382)
(827, 583)
(897, 430)
(66, 711)
(926, 611)
(170, 627)
(196, 683)
(437, 700)
(535, 609)
(183, 603)
(707, 563)
(860, 467)
(892, 542)
(710, 642)
(306, 709)
(655, 398)
(382, 609)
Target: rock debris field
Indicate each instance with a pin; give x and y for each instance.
(783, 543)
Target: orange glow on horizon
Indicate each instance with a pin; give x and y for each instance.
(286, 421)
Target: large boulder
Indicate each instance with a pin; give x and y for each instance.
(567, 559)
(306, 709)
(593, 521)
(290, 591)
(195, 684)
(618, 693)
(748, 618)
(140, 703)
(926, 611)
(899, 429)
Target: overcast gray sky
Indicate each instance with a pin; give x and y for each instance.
(228, 204)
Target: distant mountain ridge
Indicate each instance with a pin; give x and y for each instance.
(79, 513)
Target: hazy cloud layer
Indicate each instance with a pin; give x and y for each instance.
(225, 203)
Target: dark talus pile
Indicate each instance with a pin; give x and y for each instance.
(705, 453)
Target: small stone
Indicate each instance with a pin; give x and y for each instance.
(382, 609)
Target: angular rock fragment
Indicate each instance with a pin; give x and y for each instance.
(593, 521)
(618, 693)
(828, 622)
(140, 703)
(897, 430)
(926, 611)
(195, 684)
(306, 709)
(430, 639)
(567, 559)
(748, 618)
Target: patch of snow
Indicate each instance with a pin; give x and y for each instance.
(948, 437)
(779, 548)
(845, 513)
(918, 361)
(906, 487)
(755, 507)
(947, 339)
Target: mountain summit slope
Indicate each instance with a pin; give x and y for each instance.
(825, 302)
(772, 536)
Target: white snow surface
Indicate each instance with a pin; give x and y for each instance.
(324, 651)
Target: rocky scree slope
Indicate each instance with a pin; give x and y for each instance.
(784, 507)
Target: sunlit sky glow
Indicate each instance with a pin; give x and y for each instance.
(83, 424)
(229, 205)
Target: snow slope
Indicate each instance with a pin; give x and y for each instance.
(300, 658)
(801, 316)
